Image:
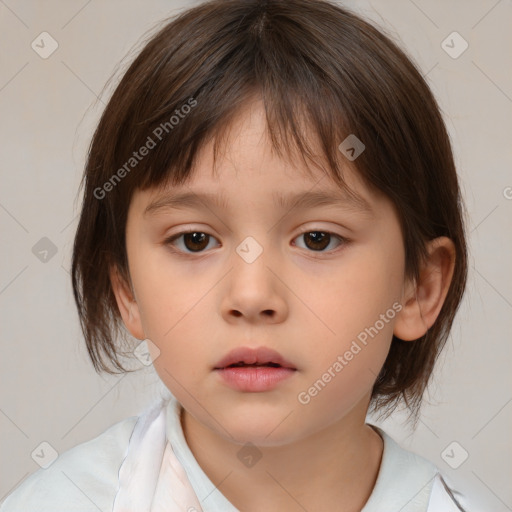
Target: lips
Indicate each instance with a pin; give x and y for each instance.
(253, 357)
(250, 370)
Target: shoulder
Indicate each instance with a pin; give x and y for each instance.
(444, 498)
(409, 482)
(82, 478)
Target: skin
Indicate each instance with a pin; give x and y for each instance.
(307, 304)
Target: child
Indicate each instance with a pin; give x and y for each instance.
(270, 201)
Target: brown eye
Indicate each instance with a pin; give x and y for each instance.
(196, 241)
(191, 241)
(318, 241)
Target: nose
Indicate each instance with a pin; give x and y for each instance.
(255, 292)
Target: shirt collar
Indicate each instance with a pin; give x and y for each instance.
(211, 499)
(404, 481)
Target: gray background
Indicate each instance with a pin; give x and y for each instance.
(49, 107)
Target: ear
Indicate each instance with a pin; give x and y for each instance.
(424, 298)
(127, 304)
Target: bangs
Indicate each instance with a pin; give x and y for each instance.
(305, 117)
(312, 103)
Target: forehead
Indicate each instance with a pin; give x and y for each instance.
(242, 163)
(193, 198)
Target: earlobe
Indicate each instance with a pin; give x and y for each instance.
(424, 298)
(127, 304)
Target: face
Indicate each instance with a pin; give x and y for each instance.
(319, 284)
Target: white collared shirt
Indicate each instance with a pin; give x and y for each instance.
(144, 464)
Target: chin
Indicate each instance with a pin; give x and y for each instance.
(262, 428)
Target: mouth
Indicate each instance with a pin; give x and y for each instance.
(255, 365)
(254, 370)
(253, 358)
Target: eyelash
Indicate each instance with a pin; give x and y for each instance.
(342, 240)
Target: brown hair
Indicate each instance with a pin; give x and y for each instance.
(308, 60)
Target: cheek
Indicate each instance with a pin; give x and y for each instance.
(173, 304)
(166, 292)
(358, 304)
(341, 375)
(354, 295)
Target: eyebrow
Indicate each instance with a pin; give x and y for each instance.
(303, 200)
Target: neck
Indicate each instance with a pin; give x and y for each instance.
(333, 469)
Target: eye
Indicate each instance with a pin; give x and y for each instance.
(190, 242)
(194, 241)
(319, 240)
